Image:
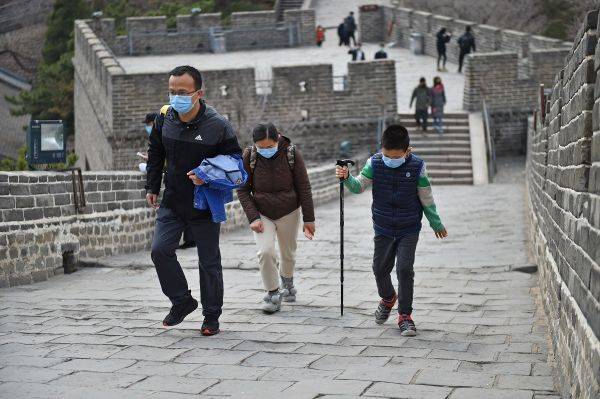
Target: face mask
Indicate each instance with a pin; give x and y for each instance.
(181, 104)
(393, 162)
(148, 129)
(267, 152)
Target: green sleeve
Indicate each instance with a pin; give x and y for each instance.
(357, 186)
(429, 209)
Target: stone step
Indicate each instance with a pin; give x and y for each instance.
(449, 172)
(411, 123)
(451, 180)
(444, 165)
(446, 158)
(449, 115)
(440, 143)
(442, 151)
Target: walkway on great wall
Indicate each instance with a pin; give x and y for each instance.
(409, 67)
(97, 333)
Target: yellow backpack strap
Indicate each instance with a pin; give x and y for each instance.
(164, 109)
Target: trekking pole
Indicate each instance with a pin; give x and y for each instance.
(343, 163)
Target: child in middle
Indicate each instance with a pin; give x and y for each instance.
(401, 194)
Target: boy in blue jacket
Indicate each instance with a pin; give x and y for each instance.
(401, 194)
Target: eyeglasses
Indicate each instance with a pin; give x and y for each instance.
(181, 93)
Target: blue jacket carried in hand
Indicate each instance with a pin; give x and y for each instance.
(221, 174)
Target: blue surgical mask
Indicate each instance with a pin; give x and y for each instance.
(181, 104)
(148, 129)
(393, 162)
(267, 152)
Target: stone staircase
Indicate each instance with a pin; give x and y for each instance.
(448, 156)
(283, 5)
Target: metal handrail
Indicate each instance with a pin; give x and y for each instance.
(489, 142)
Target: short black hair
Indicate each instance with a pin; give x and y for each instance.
(422, 80)
(190, 70)
(395, 137)
(468, 28)
(150, 117)
(265, 131)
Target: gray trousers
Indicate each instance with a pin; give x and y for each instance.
(167, 232)
(401, 251)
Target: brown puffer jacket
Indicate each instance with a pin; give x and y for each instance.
(274, 189)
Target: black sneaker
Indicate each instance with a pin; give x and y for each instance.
(384, 309)
(407, 325)
(210, 327)
(180, 311)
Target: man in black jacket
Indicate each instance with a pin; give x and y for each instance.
(184, 136)
(466, 43)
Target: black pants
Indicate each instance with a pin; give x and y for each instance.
(441, 57)
(421, 118)
(402, 251)
(461, 59)
(351, 36)
(167, 232)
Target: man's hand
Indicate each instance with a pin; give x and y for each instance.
(441, 234)
(309, 230)
(257, 226)
(152, 200)
(341, 172)
(196, 180)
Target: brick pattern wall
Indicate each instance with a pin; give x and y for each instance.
(563, 178)
(39, 224)
(247, 30)
(40, 229)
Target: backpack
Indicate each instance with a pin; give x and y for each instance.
(291, 156)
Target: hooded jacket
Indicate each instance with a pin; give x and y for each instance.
(274, 189)
(221, 175)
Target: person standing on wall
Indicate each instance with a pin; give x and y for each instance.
(438, 100)
(320, 35)
(443, 37)
(357, 53)
(350, 27)
(422, 96)
(189, 132)
(276, 190)
(466, 44)
(342, 35)
(381, 54)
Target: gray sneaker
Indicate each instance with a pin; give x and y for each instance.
(288, 291)
(272, 302)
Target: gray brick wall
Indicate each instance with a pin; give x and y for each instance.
(564, 211)
(40, 228)
(246, 30)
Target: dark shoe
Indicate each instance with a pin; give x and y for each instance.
(407, 325)
(384, 309)
(180, 311)
(210, 327)
(187, 244)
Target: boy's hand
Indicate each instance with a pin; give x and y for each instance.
(441, 234)
(341, 172)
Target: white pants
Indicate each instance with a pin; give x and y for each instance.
(286, 231)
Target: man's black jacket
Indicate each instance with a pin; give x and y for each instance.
(184, 146)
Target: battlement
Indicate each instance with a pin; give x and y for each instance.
(206, 32)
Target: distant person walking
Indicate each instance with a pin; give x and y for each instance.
(350, 27)
(422, 99)
(277, 189)
(438, 100)
(357, 53)
(342, 35)
(381, 54)
(443, 37)
(320, 35)
(466, 44)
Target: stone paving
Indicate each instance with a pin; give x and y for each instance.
(409, 67)
(97, 333)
